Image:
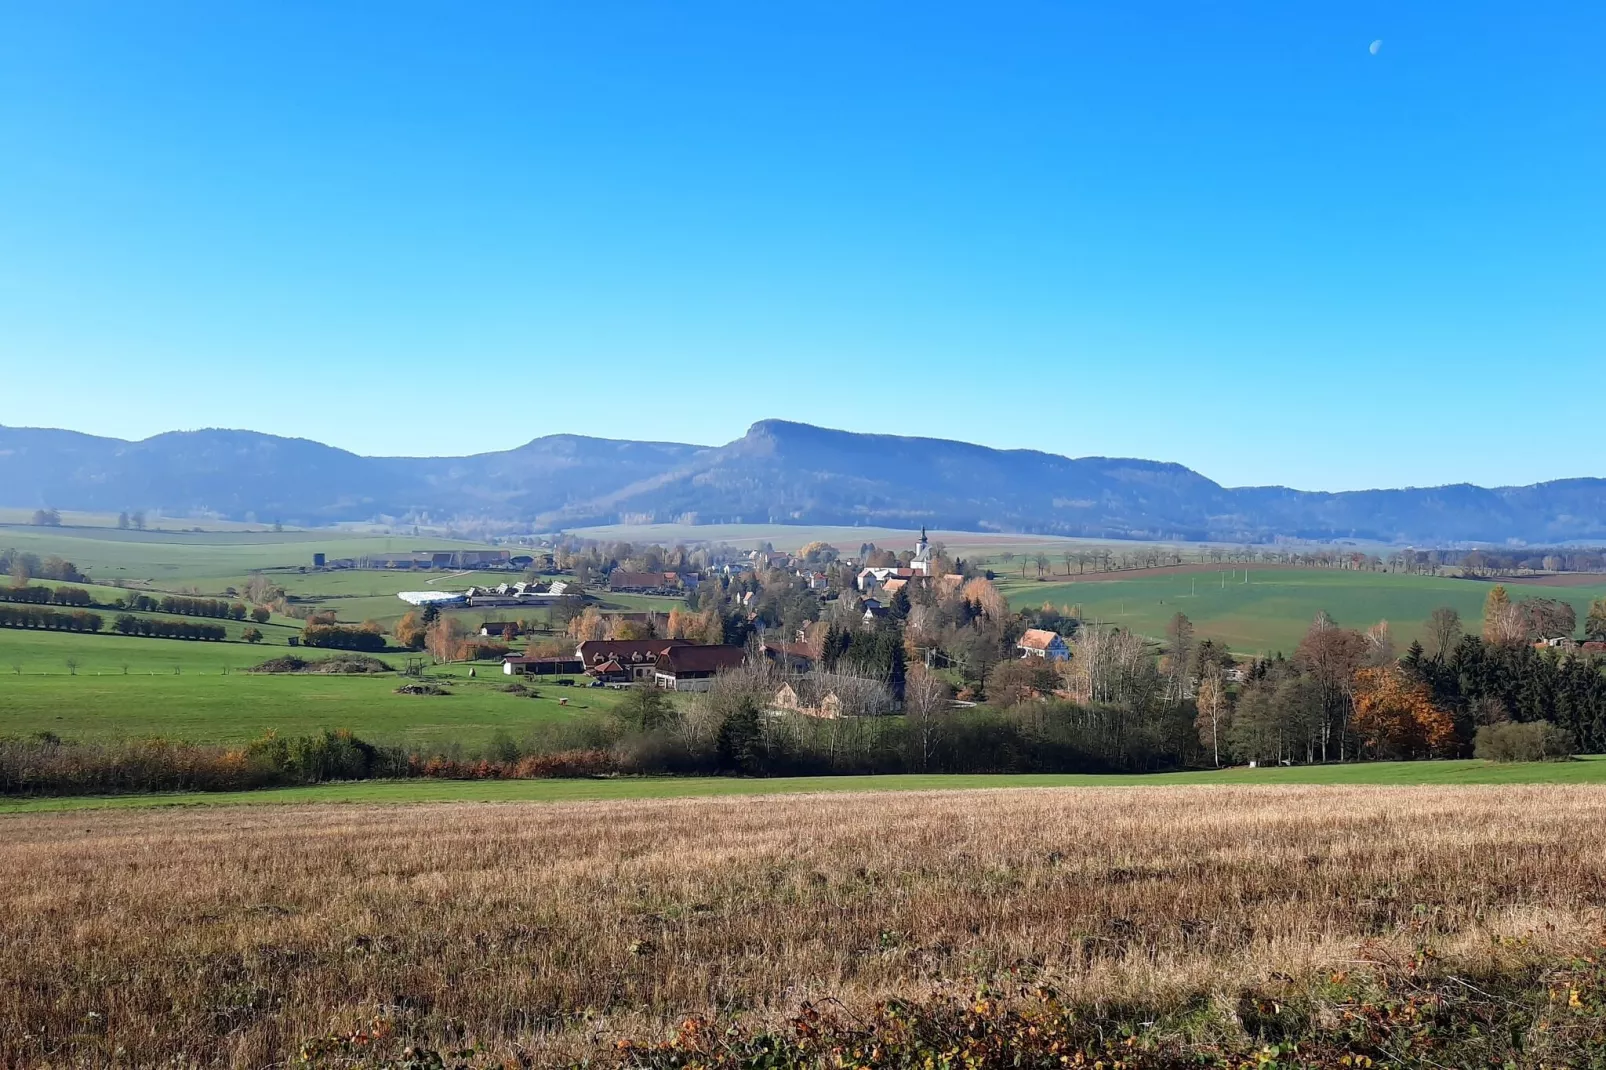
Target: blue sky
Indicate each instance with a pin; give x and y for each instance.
(1224, 234)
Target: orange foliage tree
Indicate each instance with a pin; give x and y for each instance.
(1395, 716)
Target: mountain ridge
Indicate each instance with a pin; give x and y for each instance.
(780, 471)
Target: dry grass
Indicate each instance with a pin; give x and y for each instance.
(229, 936)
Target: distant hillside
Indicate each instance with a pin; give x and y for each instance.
(779, 472)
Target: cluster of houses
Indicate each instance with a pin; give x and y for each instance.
(667, 583)
(879, 586)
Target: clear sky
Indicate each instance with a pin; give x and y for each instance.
(1226, 234)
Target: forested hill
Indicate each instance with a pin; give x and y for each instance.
(778, 472)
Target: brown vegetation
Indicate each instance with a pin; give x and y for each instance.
(233, 935)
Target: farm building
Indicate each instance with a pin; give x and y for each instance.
(692, 668)
(621, 660)
(522, 665)
(433, 598)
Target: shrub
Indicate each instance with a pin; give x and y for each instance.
(336, 637)
(1535, 741)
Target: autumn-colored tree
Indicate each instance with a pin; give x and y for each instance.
(442, 637)
(1595, 622)
(1502, 622)
(589, 625)
(409, 631)
(984, 594)
(1395, 716)
(619, 628)
(675, 626)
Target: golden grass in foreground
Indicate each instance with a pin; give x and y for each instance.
(229, 936)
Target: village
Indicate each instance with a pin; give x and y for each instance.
(835, 634)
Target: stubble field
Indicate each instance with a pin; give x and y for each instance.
(231, 937)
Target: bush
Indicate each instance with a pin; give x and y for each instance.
(339, 638)
(339, 664)
(1535, 741)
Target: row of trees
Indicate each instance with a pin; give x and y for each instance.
(220, 608)
(25, 616)
(156, 628)
(61, 596)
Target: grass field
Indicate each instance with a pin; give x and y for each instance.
(169, 559)
(202, 704)
(1272, 610)
(1232, 917)
(1583, 771)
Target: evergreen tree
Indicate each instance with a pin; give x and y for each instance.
(739, 745)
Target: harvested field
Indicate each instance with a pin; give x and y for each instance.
(1555, 579)
(231, 936)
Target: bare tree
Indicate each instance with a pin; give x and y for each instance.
(1444, 632)
(925, 705)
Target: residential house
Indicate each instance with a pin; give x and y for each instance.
(692, 668)
(790, 699)
(1042, 643)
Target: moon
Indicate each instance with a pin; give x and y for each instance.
(1374, 47)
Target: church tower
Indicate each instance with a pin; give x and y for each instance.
(921, 565)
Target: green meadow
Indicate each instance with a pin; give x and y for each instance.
(1374, 774)
(200, 693)
(1268, 609)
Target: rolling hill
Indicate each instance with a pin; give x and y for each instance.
(779, 472)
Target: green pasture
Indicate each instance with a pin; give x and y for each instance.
(1272, 610)
(1586, 771)
(205, 705)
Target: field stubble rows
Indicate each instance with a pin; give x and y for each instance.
(235, 934)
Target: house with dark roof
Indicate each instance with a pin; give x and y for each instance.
(634, 658)
(693, 668)
(644, 582)
(791, 657)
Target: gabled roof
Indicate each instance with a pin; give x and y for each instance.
(592, 649)
(1038, 639)
(700, 659)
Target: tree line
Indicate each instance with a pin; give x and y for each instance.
(24, 616)
(156, 628)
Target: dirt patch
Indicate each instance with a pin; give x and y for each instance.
(422, 689)
(1553, 579)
